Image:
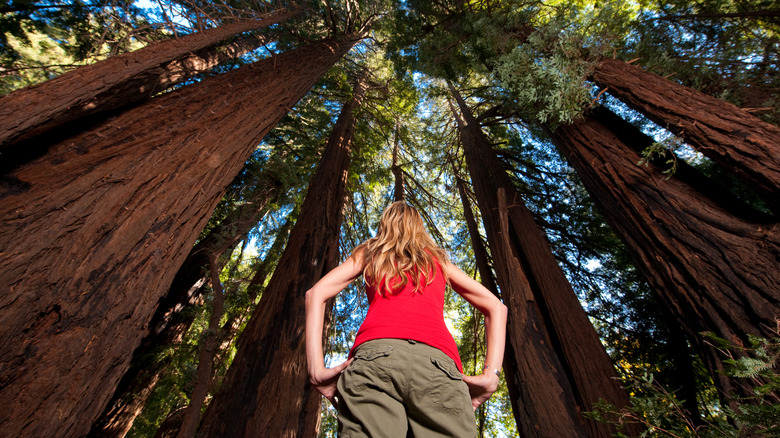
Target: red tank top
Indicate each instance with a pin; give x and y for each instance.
(406, 314)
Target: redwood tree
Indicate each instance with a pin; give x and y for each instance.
(399, 185)
(93, 231)
(730, 136)
(266, 390)
(482, 262)
(123, 79)
(173, 315)
(207, 348)
(481, 257)
(562, 368)
(714, 269)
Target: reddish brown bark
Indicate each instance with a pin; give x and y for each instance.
(123, 79)
(480, 251)
(713, 270)
(266, 391)
(562, 368)
(173, 316)
(140, 380)
(171, 425)
(93, 232)
(730, 136)
(206, 350)
(398, 173)
(487, 279)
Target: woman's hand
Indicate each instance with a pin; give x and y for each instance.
(481, 387)
(325, 379)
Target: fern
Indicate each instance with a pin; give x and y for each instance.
(662, 414)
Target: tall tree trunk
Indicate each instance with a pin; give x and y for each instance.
(685, 381)
(488, 280)
(271, 359)
(123, 79)
(239, 318)
(147, 377)
(207, 349)
(560, 361)
(714, 271)
(730, 136)
(480, 251)
(398, 173)
(93, 231)
(172, 318)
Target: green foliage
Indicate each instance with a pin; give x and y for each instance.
(549, 86)
(659, 411)
(758, 360)
(39, 40)
(663, 414)
(725, 48)
(178, 378)
(657, 152)
(540, 54)
(545, 74)
(421, 36)
(36, 59)
(171, 392)
(328, 420)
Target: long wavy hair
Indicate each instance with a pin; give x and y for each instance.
(401, 251)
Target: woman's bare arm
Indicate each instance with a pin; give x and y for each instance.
(323, 378)
(483, 386)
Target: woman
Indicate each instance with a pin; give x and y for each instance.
(404, 375)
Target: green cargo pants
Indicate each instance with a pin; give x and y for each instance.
(397, 388)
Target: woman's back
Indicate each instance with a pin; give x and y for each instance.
(405, 374)
(409, 314)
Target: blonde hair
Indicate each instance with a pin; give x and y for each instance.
(402, 247)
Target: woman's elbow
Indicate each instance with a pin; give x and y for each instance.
(495, 309)
(310, 297)
(501, 310)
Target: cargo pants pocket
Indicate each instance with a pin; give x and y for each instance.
(447, 389)
(367, 368)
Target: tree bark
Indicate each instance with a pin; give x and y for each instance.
(728, 135)
(398, 173)
(714, 271)
(487, 279)
(122, 80)
(562, 368)
(480, 251)
(206, 350)
(266, 391)
(172, 318)
(93, 231)
(171, 425)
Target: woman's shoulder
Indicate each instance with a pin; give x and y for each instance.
(445, 265)
(439, 256)
(359, 254)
